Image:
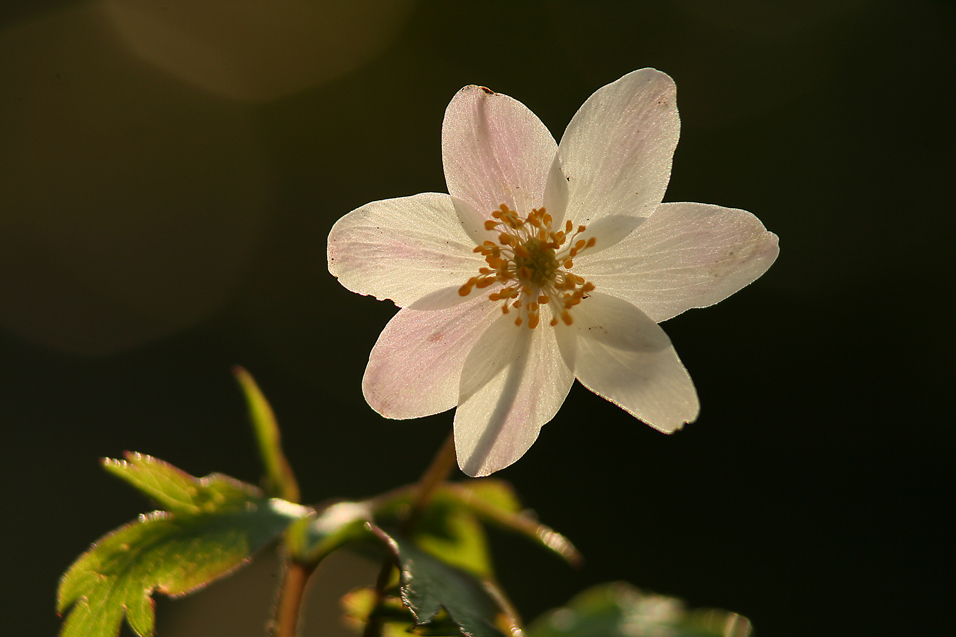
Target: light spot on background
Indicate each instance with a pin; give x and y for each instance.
(257, 49)
(130, 204)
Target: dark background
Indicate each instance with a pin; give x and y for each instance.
(169, 173)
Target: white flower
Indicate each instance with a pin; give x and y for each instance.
(546, 262)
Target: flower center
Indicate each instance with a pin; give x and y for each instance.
(534, 263)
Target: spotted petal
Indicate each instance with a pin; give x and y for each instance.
(513, 382)
(415, 366)
(495, 151)
(402, 249)
(686, 255)
(622, 355)
(617, 151)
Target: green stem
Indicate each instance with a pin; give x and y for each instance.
(374, 625)
(436, 473)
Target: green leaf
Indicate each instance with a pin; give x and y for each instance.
(446, 528)
(621, 610)
(280, 481)
(490, 500)
(310, 539)
(489, 494)
(395, 620)
(177, 491)
(213, 526)
(495, 502)
(428, 585)
(453, 534)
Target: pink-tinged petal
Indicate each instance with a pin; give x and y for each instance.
(624, 356)
(513, 382)
(445, 298)
(617, 151)
(685, 255)
(402, 249)
(415, 367)
(495, 151)
(473, 222)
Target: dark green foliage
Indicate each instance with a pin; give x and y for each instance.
(430, 585)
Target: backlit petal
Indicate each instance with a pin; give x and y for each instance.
(473, 222)
(625, 357)
(686, 255)
(556, 192)
(495, 151)
(414, 368)
(617, 151)
(402, 249)
(609, 231)
(513, 382)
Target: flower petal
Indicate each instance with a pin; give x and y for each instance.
(443, 299)
(609, 231)
(495, 151)
(686, 255)
(513, 382)
(556, 192)
(402, 249)
(625, 357)
(415, 367)
(617, 150)
(473, 222)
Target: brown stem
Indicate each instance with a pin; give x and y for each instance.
(434, 475)
(291, 591)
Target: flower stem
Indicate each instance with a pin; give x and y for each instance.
(289, 605)
(434, 475)
(441, 465)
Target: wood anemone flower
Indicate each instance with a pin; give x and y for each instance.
(545, 262)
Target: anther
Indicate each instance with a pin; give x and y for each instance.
(531, 262)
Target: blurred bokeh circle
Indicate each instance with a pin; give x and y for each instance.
(131, 203)
(254, 49)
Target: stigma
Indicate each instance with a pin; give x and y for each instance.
(532, 261)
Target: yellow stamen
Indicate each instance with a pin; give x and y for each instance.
(532, 262)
